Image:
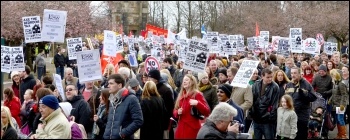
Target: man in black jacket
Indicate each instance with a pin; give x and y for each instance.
(27, 82)
(265, 104)
(302, 93)
(165, 92)
(59, 62)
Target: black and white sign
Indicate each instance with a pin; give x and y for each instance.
(244, 73)
(329, 48)
(283, 46)
(296, 40)
(213, 42)
(157, 52)
(54, 26)
(225, 46)
(32, 29)
(120, 46)
(240, 43)
(17, 59)
(6, 59)
(197, 56)
(89, 65)
(74, 45)
(264, 39)
(151, 63)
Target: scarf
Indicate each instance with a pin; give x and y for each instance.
(205, 87)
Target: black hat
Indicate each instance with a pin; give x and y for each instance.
(124, 62)
(154, 73)
(227, 89)
(223, 71)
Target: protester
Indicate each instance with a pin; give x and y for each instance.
(27, 82)
(70, 79)
(286, 119)
(322, 83)
(27, 106)
(168, 64)
(100, 119)
(135, 86)
(109, 70)
(224, 94)
(15, 82)
(66, 109)
(13, 103)
(91, 95)
(35, 113)
(281, 79)
(59, 61)
(7, 130)
(40, 64)
(308, 74)
(208, 90)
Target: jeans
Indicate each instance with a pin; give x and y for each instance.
(313, 124)
(341, 121)
(264, 129)
(40, 72)
(60, 71)
(247, 123)
(302, 129)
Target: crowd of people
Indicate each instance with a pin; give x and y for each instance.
(176, 103)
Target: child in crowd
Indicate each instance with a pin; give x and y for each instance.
(286, 119)
(315, 120)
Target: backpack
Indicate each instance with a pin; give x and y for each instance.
(81, 128)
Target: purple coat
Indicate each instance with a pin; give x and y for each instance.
(76, 133)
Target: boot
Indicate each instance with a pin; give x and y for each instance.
(343, 134)
(339, 135)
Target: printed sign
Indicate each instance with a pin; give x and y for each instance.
(120, 46)
(109, 43)
(329, 48)
(320, 39)
(162, 39)
(17, 59)
(6, 59)
(157, 52)
(151, 63)
(274, 42)
(295, 37)
(54, 26)
(131, 42)
(265, 36)
(213, 41)
(225, 45)
(311, 46)
(89, 65)
(197, 56)
(133, 60)
(74, 45)
(58, 84)
(183, 47)
(32, 29)
(244, 73)
(240, 43)
(283, 46)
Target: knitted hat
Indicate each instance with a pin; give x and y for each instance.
(223, 71)
(322, 67)
(133, 82)
(201, 75)
(124, 62)
(154, 73)
(227, 89)
(13, 73)
(50, 101)
(66, 107)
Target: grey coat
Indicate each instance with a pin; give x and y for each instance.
(209, 131)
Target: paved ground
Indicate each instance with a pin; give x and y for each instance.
(51, 68)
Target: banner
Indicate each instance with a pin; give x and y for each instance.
(109, 43)
(110, 60)
(197, 56)
(156, 30)
(17, 59)
(89, 65)
(74, 45)
(175, 38)
(295, 37)
(6, 59)
(31, 29)
(54, 26)
(244, 73)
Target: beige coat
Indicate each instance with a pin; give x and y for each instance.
(56, 126)
(286, 123)
(243, 97)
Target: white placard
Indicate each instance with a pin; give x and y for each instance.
(329, 48)
(244, 73)
(109, 43)
(131, 42)
(295, 37)
(265, 38)
(6, 59)
(311, 46)
(225, 45)
(32, 29)
(240, 43)
(74, 45)
(89, 65)
(17, 59)
(120, 46)
(283, 46)
(157, 52)
(133, 60)
(274, 42)
(197, 56)
(58, 84)
(183, 47)
(54, 26)
(213, 42)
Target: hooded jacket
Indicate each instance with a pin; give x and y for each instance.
(81, 111)
(27, 83)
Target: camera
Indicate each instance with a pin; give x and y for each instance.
(240, 126)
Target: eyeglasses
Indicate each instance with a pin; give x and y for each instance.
(70, 89)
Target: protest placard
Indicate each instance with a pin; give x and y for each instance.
(156, 52)
(311, 46)
(151, 63)
(132, 60)
(240, 43)
(6, 59)
(213, 42)
(131, 45)
(329, 48)
(162, 39)
(183, 47)
(17, 59)
(265, 36)
(89, 65)
(197, 56)
(320, 39)
(54, 26)
(244, 73)
(58, 84)
(120, 46)
(274, 42)
(283, 46)
(251, 43)
(225, 45)
(32, 29)
(109, 43)
(74, 45)
(295, 37)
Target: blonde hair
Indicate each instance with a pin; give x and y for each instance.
(7, 112)
(149, 89)
(170, 78)
(289, 101)
(193, 90)
(110, 69)
(335, 75)
(141, 66)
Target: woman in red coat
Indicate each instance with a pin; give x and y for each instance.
(15, 79)
(308, 74)
(188, 125)
(14, 104)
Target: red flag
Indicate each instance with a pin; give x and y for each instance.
(257, 31)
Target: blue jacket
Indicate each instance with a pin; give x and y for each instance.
(240, 112)
(124, 117)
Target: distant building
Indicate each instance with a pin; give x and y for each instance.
(132, 15)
